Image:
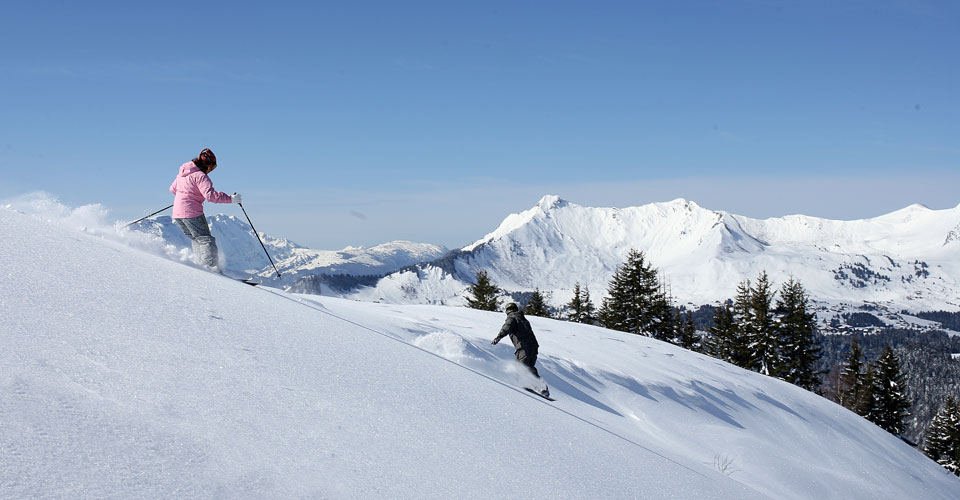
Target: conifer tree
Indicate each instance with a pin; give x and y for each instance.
(743, 325)
(943, 437)
(764, 344)
(799, 348)
(866, 404)
(688, 337)
(486, 295)
(723, 341)
(666, 323)
(677, 321)
(891, 401)
(580, 308)
(635, 302)
(777, 342)
(537, 306)
(850, 387)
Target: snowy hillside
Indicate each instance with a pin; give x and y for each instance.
(904, 260)
(244, 255)
(128, 374)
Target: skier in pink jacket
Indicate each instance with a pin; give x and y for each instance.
(190, 188)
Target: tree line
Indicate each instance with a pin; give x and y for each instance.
(752, 332)
(878, 392)
(931, 378)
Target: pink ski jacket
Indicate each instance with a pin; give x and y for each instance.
(190, 189)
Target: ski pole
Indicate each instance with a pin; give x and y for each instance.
(147, 217)
(258, 238)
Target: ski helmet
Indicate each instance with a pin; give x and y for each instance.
(208, 157)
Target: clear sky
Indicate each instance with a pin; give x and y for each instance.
(355, 123)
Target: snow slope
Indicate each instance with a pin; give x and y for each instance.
(904, 260)
(127, 374)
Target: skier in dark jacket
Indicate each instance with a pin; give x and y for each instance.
(524, 341)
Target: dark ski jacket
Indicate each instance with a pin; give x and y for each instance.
(518, 328)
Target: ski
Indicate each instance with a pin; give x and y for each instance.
(247, 281)
(544, 396)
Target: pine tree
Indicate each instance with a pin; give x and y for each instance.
(777, 342)
(677, 322)
(891, 401)
(743, 326)
(688, 337)
(850, 387)
(798, 345)
(666, 324)
(537, 306)
(943, 437)
(635, 302)
(866, 404)
(486, 295)
(764, 342)
(723, 341)
(580, 309)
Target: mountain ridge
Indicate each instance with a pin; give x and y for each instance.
(901, 260)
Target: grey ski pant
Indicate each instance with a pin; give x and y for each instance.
(204, 245)
(528, 357)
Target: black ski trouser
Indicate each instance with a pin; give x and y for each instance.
(528, 357)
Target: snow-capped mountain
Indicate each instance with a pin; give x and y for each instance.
(905, 260)
(244, 255)
(908, 259)
(376, 260)
(130, 374)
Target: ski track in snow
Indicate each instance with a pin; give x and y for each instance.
(453, 356)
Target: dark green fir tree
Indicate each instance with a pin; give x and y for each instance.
(722, 340)
(537, 305)
(866, 404)
(687, 337)
(943, 437)
(797, 332)
(890, 398)
(580, 309)
(851, 391)
(635, 302)
(485, 295)
(677, 322)
(743, 326)
(764, 342)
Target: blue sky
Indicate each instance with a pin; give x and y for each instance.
(348, 123)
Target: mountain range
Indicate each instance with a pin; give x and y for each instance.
(905, 261)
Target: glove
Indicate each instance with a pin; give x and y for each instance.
(494, 342)
(235, 198)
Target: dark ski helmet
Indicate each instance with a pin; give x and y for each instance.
(208, 157)
(511, 307)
